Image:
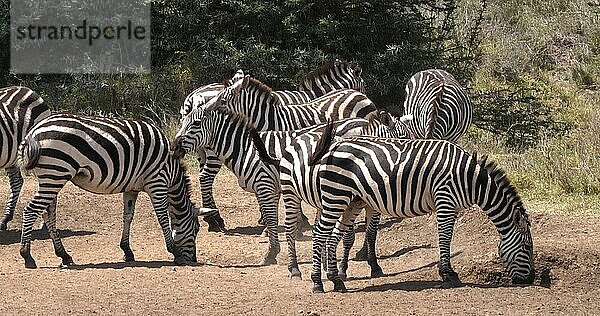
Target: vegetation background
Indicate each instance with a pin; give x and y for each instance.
(532, 69)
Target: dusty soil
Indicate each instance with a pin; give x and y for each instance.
(228, 280)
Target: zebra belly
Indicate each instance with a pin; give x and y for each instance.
(84, 180)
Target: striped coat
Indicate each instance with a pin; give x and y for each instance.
(20, 109)
(107, 156)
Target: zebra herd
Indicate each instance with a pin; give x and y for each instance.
(326, 145)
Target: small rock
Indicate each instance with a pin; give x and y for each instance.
(300, 312)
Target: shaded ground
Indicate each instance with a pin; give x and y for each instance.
(229, 282)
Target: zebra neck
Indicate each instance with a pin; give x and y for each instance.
(231, 141)
(179, 192)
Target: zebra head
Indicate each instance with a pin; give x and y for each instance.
(516, 248)
(393, 127)
(201, 96)
(183, 213)
(500, 200)
(230, 97)
(194, 133)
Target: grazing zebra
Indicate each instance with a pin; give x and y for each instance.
(107, 156)
(408, 178)
(329, 77)
(209, 164)
(439, 105)
(230, 138)
(247, 153)
(21, 108)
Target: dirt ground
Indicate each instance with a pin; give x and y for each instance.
(229, 281)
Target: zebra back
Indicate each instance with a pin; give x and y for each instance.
(21, 108)
(257, 101)
(117, 155)
(440, 106)
(336, 75)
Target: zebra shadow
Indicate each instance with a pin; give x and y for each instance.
(251, 230)
(13, 236)
(398, 253)
(122, 265)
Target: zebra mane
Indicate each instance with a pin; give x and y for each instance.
(499, 176)
(323, 69)
(259, 85)
(186, 181)
(254, 136)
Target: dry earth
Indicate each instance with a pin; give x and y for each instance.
(228, 280)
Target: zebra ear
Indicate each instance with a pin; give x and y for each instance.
(244, 84)
(357, 71)
(519, 218)
(387, 119)
(238, 75)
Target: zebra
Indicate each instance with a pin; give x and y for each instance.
(107, 156)
(408, 178)
(299, 183)
(21, 108)
(329, 77)
(247, 153)
(209, 164)
(439, 105)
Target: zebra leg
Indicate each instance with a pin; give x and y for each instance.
(348, 242)
(322, 230)
(129, 199)
(445, 220)
(292, 208)
(373, 219)
(16, 183)
(40, 202)
(361, 255)
(346, 220)
(303, 225)
(207, 178)
(158, 196)
(268, 202)
(59, 249)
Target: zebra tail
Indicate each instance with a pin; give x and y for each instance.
(323, 144)
(28, 154)
(261, 148)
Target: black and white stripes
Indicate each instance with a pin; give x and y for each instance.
(439, 105)
(407, 178)
(20, 109)
(107, 156)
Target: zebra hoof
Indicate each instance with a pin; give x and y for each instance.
(343, 276)
(377, 272)
(30, 264)
(361, 255)
(450, 280)
(3, 226)
(339, 286)
(67, 260)
(268, 261)
(318, 288)
(295, 273)
(180, 261)
(128, 258)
